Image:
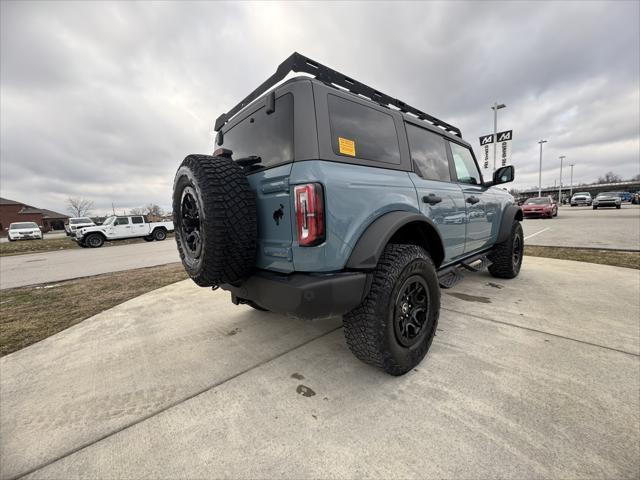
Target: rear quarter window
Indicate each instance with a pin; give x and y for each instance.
(362, 132)
(268, 136)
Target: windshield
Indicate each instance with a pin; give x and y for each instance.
(586, 194)
(537, 201)
(109, 221)
(268, 136)
(16, 226)
(608, 194)
(74, 221)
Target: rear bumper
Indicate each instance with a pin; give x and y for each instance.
(307, 295)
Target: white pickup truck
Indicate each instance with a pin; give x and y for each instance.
(120, 228)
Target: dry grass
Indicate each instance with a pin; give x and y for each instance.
(603, 257)
(30, 314)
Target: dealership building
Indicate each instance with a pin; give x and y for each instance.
(12, 211)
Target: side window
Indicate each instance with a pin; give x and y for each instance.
(362, 132)
(428, 153)
(122, 221)
(137, 220)
(466, 168)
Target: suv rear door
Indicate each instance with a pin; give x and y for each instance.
(482, 208)
(440, 200)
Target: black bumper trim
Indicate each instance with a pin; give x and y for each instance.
(306, 295)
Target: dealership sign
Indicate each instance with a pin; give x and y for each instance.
(503, 156)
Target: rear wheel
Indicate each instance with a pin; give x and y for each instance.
(94, 240)
(507, 256)
(395, 324)
(159, 234)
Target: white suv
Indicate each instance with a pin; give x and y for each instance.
(76, 223)
(581, 198)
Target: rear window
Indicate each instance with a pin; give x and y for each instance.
(362, 132)
(270, 137)
(428, 153)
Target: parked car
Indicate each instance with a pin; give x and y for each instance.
(540, 207)
(607, 199)
(120, 228)
(581, 198)
(625, 196)
(24, 231)
(357, 211)
(75, 223)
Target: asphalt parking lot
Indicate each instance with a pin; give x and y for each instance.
(46, 267)
(526, 378)
(606, 228)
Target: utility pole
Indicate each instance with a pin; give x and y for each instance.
(113, 209)
(495, 109)
(562, 157)
(571, 188)
(540, 169)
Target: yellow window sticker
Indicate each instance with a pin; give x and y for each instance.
(346, 146)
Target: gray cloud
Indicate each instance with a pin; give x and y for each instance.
(103, 100)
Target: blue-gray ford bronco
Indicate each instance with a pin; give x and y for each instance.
(327, 197)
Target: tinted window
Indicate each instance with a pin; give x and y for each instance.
(137, 220)
(466, 168)
(122, 221)
(267, 136)
(429, 153)
(362, 132)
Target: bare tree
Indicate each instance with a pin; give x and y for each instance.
(137, 211)
(153, 210)
(79, 207)
(610, 177)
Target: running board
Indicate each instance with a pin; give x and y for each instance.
(451, 276)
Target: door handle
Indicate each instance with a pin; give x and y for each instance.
(473, 200)
(431, 199)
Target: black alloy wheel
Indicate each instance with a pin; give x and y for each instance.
(190, 226)
(410, 315)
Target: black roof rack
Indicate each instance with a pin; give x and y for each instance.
(299, 63)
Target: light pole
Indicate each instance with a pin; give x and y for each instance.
(562, 157)
(540, 169)
(571, 187)
(495, 109)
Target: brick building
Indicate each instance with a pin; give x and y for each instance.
(12, 211)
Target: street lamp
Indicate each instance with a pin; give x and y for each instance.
(495, 109)
(571, 188)
(540, 169)
(562, 157)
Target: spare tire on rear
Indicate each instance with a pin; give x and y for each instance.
(214, 211)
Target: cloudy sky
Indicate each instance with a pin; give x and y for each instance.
(103, 100)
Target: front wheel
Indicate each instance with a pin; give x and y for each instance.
(595, 208)
(618, 206)
(94, 240)
(395, 324)
(507, 256)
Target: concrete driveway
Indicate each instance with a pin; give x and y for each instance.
(33, 268)
(606, 228)
(533, 377)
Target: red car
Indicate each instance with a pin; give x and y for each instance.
(540, 207)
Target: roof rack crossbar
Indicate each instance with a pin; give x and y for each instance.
(299, 63)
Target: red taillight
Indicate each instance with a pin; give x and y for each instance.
(309, 214)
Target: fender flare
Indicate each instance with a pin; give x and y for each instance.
(511, 214)
(371, 244)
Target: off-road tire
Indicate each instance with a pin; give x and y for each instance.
(159, 234)
(94, 240)
(505, 264)
(148, 238)
(370, 329)
(227, 224)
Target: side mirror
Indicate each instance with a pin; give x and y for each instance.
(503, 175)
